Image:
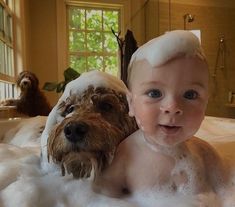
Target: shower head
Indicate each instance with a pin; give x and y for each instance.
(189, 18)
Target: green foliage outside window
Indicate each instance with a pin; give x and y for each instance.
(92, 44)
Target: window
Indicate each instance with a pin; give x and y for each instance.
(92, 45)
(7, 73)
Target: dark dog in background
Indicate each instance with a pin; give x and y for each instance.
(32, 101)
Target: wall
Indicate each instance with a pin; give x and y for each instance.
(41, 41)
(144, 20)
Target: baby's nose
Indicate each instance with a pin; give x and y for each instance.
(171, 109)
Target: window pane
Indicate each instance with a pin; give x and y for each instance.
(111, 65)
(91, 38)
(78, 63)
(94, 19)
(77, 41)
(110, 43)
(94, 42)
(1, 21)
(1, 90)
(10, 70)
(2, 63)
(95, 62)
(9, 28)
(111, 20)
(76, 18)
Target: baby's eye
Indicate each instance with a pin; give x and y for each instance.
(191, 95)
(155, 93)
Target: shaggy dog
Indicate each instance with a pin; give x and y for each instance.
(88, 122)
(32, 101)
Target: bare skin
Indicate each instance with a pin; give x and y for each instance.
(192, 167)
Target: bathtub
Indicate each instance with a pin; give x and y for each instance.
(6, 124)
(9, 118)
(21, 176)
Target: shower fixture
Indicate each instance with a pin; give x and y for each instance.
(220, 57)
(188, 18)
(231, 97)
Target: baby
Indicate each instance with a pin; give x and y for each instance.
(168, 95)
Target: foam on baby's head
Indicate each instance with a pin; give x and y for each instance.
(160, 50)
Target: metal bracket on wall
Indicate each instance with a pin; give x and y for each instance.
(220, 55)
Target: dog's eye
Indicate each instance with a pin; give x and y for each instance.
(69, 110)
(105, 106)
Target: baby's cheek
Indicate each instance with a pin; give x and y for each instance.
(193, 123)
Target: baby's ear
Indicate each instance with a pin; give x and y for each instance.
(129, 97)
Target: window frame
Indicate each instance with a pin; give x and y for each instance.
(86, 54)
(7, 37)
(62, 44)
(8, 43)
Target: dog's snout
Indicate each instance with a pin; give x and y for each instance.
(75, 131)
(24, 82)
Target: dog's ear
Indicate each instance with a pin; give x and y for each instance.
(19, 78)
(35, 79)
(123, 102)
(129, 97)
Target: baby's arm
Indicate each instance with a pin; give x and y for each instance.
(112, 181)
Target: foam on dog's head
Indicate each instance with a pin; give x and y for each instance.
(79, 85)
(160, 50)
(96, 79)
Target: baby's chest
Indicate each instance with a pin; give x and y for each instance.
(168, 175)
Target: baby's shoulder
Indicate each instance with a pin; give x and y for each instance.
(205, 151)
(201, 146)
(134, 138)
(131, 143)
(214, 163)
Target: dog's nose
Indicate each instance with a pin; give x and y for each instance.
(25, 83)
(75, 131)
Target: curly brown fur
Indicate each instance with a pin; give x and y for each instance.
(94, 124)
(32, 101)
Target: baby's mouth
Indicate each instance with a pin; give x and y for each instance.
(169, 129)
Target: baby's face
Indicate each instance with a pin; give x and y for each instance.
(169, 101)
